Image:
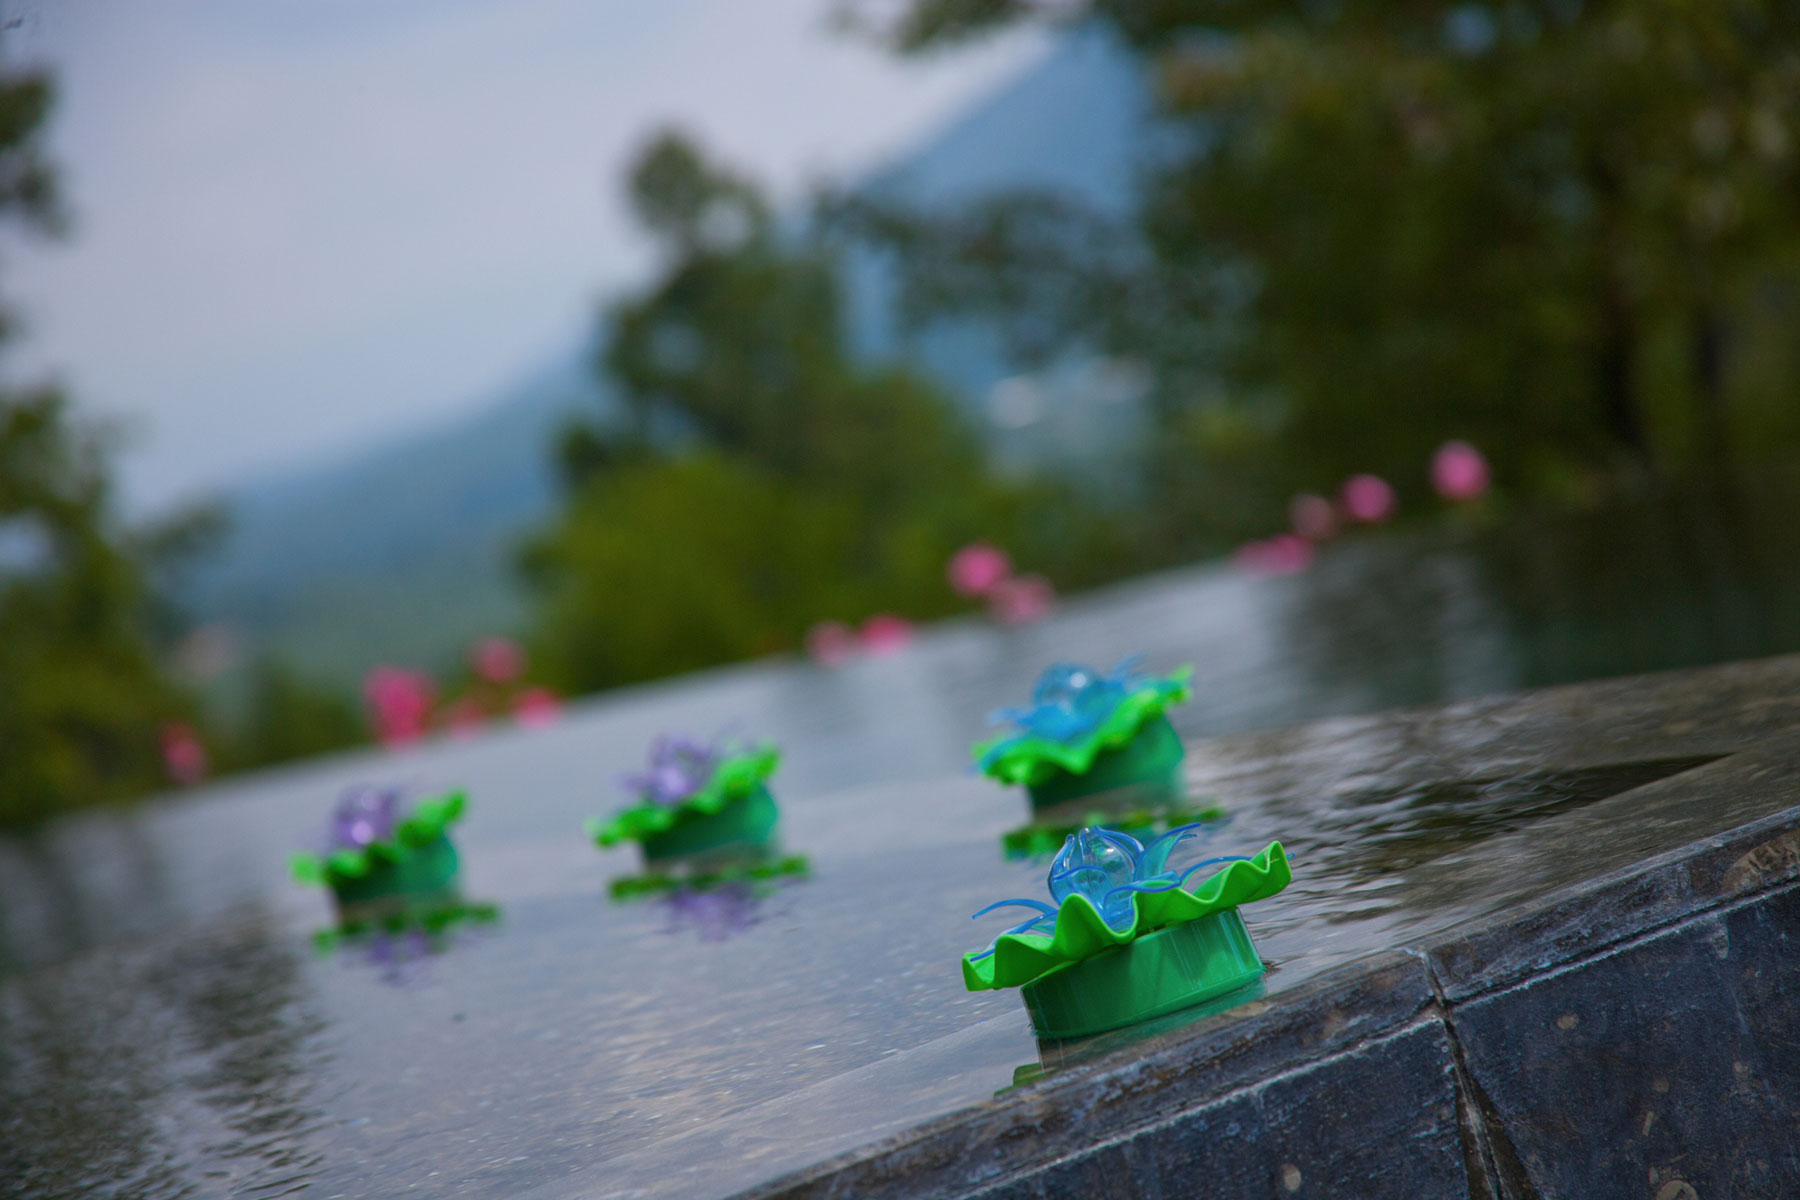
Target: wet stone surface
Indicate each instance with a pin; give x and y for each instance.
(168, 1028)
(1675, 1058)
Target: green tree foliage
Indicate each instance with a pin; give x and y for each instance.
(81, 696)
(1567, 231)
(287, 716)
(765, 480)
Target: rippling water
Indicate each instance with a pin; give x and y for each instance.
(169, 1027)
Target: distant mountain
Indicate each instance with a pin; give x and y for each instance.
(405, 552)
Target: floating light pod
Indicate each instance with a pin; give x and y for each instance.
(698, 805)
(380, 864)
(1125, 940)
(1090, 736)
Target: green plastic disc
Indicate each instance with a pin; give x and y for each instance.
(1160, 973)
(746, 823)
(419, 874)
(1145, 773)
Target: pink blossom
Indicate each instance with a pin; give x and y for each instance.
(1312, 516)
(497, 659)
(1368, 498)
(183, 753)
(537, 707)
(831, 643)
(978, 568)
(1021, 600)
(885, 633)
(1459, 472)
(399, 703)
(1283, 554)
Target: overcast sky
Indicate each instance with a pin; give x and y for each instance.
(304, 225)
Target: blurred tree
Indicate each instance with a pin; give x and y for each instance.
(1552, 228)
(765, 480)
(286, 716)
(82, 699)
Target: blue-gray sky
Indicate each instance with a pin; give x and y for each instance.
(303, 225)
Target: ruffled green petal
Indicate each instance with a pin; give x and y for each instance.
(427, 822)
(734, 778)
(1029, 759)
(1081, 932)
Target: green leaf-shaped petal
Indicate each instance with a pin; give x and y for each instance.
(734, 778)
(427, 822)
(1081, 932)
(1029, 759)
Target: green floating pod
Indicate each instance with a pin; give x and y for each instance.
(697, 802)
(379, 862)
(1125, 940)
(1089, 736)
(1160, 973)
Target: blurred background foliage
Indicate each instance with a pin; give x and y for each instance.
(1563, 231)
(81, 695)
(763, 479)
(1567, 232)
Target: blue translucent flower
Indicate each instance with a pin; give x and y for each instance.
(1108, 868)
(1071, 700)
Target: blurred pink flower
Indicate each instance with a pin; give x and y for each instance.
(537, 707)
(1312, 516)
(1022, 599)
(1459, 472)
(978, 568)
(1283, 554)
(183, 753)
(497, 659)
(465, 718)
(1368, 498)
(831, 643)
(399, 703)
(885, 633)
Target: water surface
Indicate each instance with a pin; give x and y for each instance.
(168, 1027)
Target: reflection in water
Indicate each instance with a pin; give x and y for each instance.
(396, 943)
(140, 1074)
(762, 865)
(1368, 835)
(721, 911)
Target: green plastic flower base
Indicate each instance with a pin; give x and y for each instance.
(420, 874)
(1160, 973)
(1145, 772)
(747, 823)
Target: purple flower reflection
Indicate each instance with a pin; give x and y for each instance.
(398, 954)
(713, 913)
(363, 817)
(679, 767)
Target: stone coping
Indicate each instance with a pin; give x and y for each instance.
(1706, 844)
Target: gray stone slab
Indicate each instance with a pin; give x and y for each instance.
(1670, 1059)
(1115, 1087)
(1378, 1123)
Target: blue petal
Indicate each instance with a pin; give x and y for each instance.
(1043, 908)
(1207, 862)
